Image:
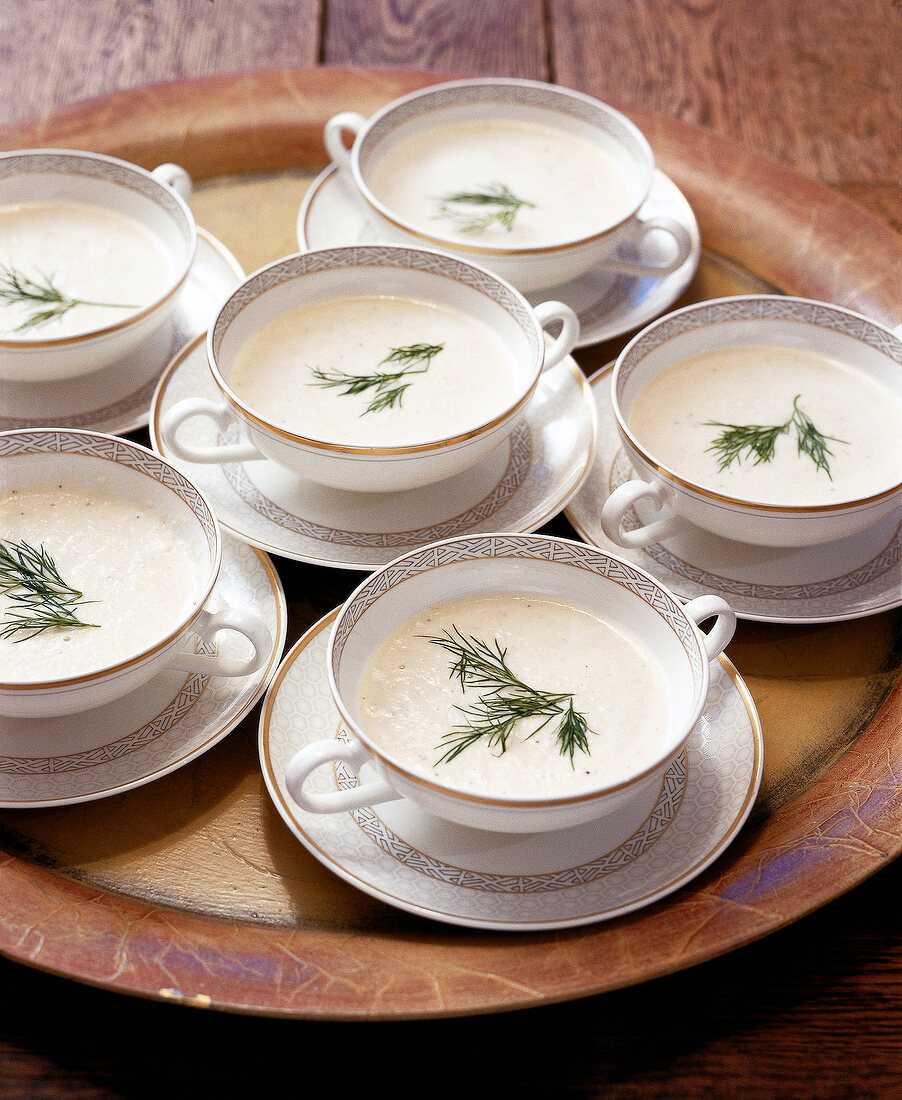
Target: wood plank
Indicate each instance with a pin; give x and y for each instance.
(498, 37)
(127, 43)
(815, 85)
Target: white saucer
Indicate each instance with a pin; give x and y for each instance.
(117, 399)
(332, 214)
(155, 730)
(846, 579)
(529, 882)
(517, 488)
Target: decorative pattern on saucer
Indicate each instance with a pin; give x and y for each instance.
(876, 567)
(161, 723)
(662, 814)
(403, 856)
(510, 483)
(517, 488)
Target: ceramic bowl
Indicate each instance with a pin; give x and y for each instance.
(74, 460)
(671, 502)
(155, 199)
(624, 596)
(527, 267)
(375, 270)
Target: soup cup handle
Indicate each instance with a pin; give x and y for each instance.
(718, 637)
(621, 500)
(172, 421)
(174, 176)
(565, 341)
(333, 136)
(643, 227)
(311, 756)
(208, 625)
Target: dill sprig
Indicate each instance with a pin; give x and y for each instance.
(389, 385)
(469, 208)
(506, 701)
(41, 598)
(810, 441)
(758, 441)
(16, 287)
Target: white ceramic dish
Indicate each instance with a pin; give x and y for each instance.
(768, 320)
(154, 199)
(625, 598)
(518, 488)
(848, 579)
(333, 213)
(116, 399)
(411, 860)
(79, 462)
(525, 102)
(314, 277)
(154, 730)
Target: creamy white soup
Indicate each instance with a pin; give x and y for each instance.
(433, 372)
(680, 415)
(128, 559)
(410, 698)
(570, 187)
(84, 252)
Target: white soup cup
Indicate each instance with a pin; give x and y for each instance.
(581, 575)
(75, 460)
(156, 200)
(509, 100)
(670, 503)
(326, 274)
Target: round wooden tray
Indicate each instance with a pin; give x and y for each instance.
(193, 889)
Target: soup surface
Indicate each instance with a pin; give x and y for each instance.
(409, 697)
(756, 386)
(575, 188)
(127, 559)
(85, 252)
(283, 372)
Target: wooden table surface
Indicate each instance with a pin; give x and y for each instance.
(814, 1009)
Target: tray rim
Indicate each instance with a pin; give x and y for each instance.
(287, 127)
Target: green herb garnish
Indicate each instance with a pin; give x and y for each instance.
(42, 599)
(758, 441)
(475, 211)
(389, 385)
(18, 287)
(505, 702)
